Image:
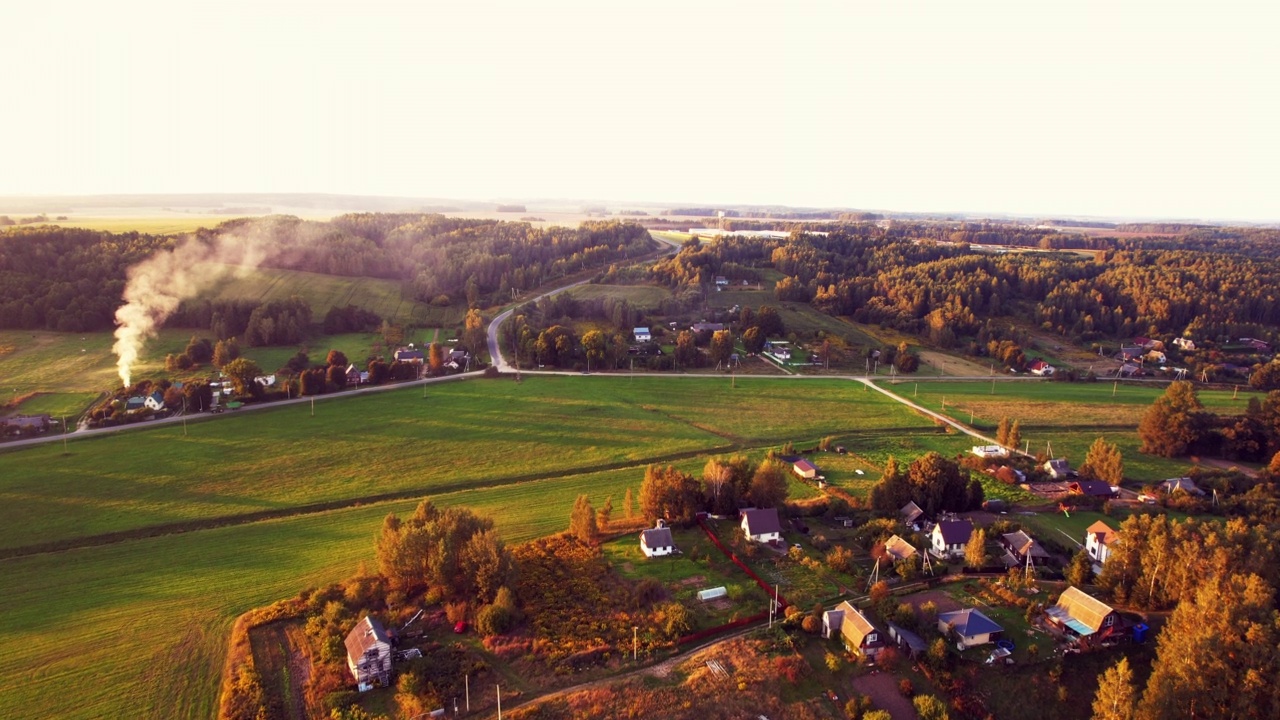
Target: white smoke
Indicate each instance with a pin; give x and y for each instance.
(160, 283)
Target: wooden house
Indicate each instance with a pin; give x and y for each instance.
(971, 627)
(369, 654)
(1081, 615)
(859, 635)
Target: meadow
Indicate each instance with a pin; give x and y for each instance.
(465, 444)
(646, 297)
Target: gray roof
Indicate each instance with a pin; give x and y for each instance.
(908, 638)
(910, 512)
(1024, 544)
(955, 532)
(658, 538)
(970, 622)
(764, 521)
(1185, 484)
(367, 633)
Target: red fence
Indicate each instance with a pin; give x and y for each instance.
(782, 602)
(704, 634)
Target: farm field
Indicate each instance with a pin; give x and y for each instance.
(1055, 404)
(461, 435)
(647, 297)
(387, 298)
(175, 224)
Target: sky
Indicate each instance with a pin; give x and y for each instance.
(1120, 109)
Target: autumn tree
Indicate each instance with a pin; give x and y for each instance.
(628, 505)
(583, 523)
(225, 351)
(1002, 432)
(242, 371)
(595, 344)
(891, 492)
(473, 338)
(929, 707)
(753, 340)
(721, 347)
(1172, 424)
(435, 358)
(686, 353)
(1104, 462)
(450, 549)
(336, 358)
(669, 493)
(718, 487)
(605, 514)
(768, 485)
(1116, 698)
(1079, 569)
(200, 350)
(1217, 656)
(975, 552)
(1015, 435)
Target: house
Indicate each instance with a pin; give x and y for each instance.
(721, 281)
(409, 354)
(762, 526)
(1185, 343)
(971, 627)
(26, 423)
(1255, 344)
(1092, 488)
(1059, 469)
(706, 327)
(1083, 616)
(1041, 368)
(805, 469)
(1020, 545)
(779, 349)
(1144, 343)
(657, 541)
(950, 537)
(898, 549)
(1099, 538)
(859, 634)
(1183, 484)
(354, 376)
(908, 642)
(1129, 369)
(642, 334)
(1156, 357)
(1131, 352)
(989, 451)
(369, 654)
(911, 515)
(265, 381)
(154, 401)
(136, 402)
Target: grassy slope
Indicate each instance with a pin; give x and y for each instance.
(647, 297)
(461, 435)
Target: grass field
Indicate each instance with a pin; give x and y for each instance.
(385, 297)
(154, 225)
(647, 297)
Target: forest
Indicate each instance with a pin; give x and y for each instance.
(71, 280)
(928, 280)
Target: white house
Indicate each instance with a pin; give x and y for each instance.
(1099, 538)
(642, 334)
(989, 451)
(657, 541)
(950, 537)
(762, 526)
(154, 401)
(1185, 343)
(369, 654)
(970, 626)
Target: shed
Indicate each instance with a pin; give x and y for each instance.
(805, 469)
(712, 594)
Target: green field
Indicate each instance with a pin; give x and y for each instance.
(646, 297)
(387, 298)
(148, 618)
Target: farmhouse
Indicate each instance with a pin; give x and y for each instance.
(762, 526)
(1019, 546)
(950, 537)
(721, 281)
(861, 637)
(805, 469)
(1041, 368)
(1185, 343)
(1182, 484)
(1156, 356)
(706, 327)
(898, 549)
(369, 653)
(25, 423)
(136, 402)
(1092, 488)
(1059, 469)
(1081, 615)
(354, 376)
(642, 334)
(971, 627)
(1099, 538)
(989, 451)
(409, 354)
(779, 349)
(154, 401)
(911, 514)
(657, 541)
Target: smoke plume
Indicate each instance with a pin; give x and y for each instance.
(157, 285)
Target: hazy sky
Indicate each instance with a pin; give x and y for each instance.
(1128, 109)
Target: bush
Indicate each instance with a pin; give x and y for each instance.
(456, 612)
(339, 699)
(840, 559)
(494, 620)
(811, 625)
(906, 688)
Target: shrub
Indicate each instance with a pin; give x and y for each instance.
(339, 699)
(456, 612)
(906, 688)
(494, 620)
(790, 667)
(840, 559)
(649, 591)
(811, 625)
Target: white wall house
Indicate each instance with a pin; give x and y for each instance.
(762, 526)
(950, 536)
(1098, 540)
(657, 541)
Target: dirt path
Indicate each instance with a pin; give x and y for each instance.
(883, 689)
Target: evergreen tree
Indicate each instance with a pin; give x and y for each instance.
(1172, 424)
(1079, 569)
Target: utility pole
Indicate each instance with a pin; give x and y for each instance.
(313, 406)
(499, 688)
(635, 642)
(1115, 385)
(64, 434)
(466, 679)
(184, 417)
